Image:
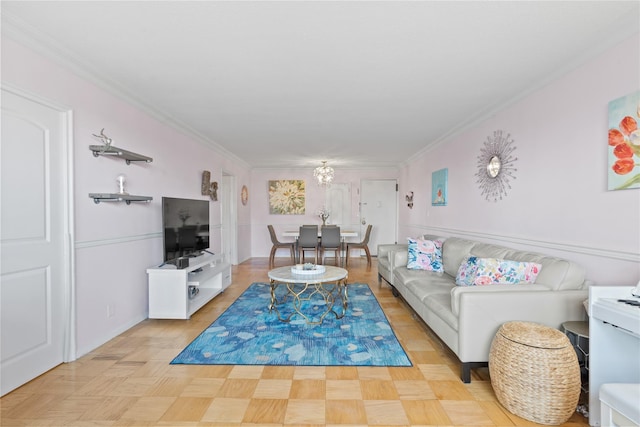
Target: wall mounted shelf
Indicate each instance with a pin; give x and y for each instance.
(128, 156)
(115, 197)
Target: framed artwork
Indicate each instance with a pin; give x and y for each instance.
(287, 197)
(439, 194)
(623, 169)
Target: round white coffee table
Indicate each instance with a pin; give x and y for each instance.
(329, 285)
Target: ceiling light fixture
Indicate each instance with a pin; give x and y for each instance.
(324, 174)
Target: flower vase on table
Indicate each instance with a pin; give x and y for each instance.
(324, 215)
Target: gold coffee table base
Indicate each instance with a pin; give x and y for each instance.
(329, 288)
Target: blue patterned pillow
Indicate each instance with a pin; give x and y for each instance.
(425, 255)
(467, 272)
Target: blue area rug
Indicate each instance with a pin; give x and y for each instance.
(248, 334)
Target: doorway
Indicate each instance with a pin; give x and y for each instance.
(379, 207)
(228, 218)
(37, 323)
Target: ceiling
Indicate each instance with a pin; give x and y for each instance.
(292, 83)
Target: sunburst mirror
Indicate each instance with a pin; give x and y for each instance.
(496, 166)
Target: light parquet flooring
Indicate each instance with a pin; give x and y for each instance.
(129, 381)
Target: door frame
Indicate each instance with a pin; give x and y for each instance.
(68, 267)
(229, 217)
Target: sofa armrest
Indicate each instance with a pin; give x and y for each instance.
(385, 249)
(482, 314)
(399, 258)
(386, 253)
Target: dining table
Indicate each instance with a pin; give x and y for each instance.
(296, 233)
(343, 233)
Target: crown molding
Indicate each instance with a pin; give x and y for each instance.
(41, 43)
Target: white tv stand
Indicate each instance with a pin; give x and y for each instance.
(169, 286)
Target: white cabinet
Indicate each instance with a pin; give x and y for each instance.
(614, 342)
(169, 295)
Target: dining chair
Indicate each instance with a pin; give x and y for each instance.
(330, 241)
(279, 245)
(364, 244)
(308, 241)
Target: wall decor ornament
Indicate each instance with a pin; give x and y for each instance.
(287, 197)
(496, 166)
(244, 195)
(209, 188)
(409, 199)
(623, 169)
(439, 184)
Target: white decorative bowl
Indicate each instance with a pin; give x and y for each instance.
(304, 269)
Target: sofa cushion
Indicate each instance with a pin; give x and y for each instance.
(454, 251)
(403, 275)
(487, 250)
(440, 304)
(556, 273)
(500, 271)
(467, 271)
(424, 255)
(435, 284)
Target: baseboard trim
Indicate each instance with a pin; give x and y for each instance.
(111, 335)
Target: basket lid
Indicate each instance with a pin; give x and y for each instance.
(534, 335)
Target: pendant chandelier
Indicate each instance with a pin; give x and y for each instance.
(324, 174)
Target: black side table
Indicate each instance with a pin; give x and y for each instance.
(578, 334)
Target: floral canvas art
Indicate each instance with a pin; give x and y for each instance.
(287, 197)
(439, 194)
(624, 143)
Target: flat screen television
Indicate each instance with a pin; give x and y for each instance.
(185, 225)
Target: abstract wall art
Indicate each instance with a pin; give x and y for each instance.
(623, 169)
(287, 197)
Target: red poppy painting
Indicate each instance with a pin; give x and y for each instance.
(624, 143)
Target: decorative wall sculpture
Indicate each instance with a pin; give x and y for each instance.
(209, 188)
(496, 166)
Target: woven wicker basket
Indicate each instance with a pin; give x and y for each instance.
(535, 372)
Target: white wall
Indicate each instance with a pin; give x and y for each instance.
(115, 243)
(559, 203)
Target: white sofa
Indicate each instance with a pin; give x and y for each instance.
(466, 318)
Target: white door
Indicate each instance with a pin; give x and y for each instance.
(338, 203)
(379, 207)
(35, 273)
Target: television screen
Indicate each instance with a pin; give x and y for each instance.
(185, 227)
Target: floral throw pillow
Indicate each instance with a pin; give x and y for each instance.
(467, 272)
(425, 255)
(498, 271)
